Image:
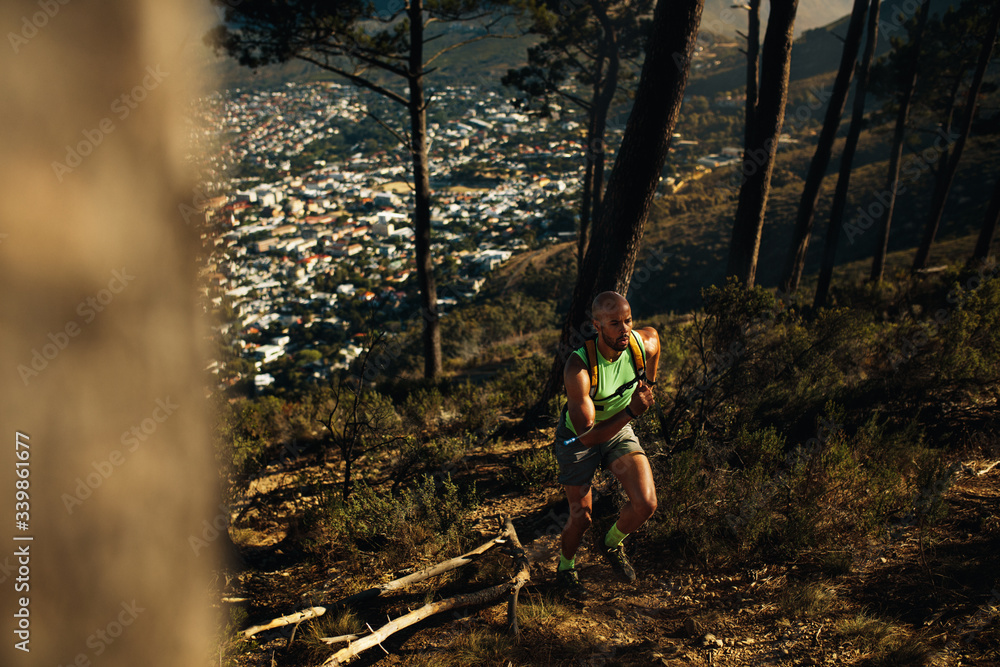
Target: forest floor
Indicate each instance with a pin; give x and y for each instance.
(926, 595)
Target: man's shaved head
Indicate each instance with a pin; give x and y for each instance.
(607, 302)
(612, 317)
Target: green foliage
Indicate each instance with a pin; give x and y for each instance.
(787, 434)
(478, 407)
(248, 433)
(535, 470)
(970, 358)
(420, 520)
(522, 382)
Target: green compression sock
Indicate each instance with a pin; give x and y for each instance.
(614, 536)
(566, 564)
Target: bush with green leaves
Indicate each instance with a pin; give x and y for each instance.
(418, 521)
(786, 500)
(535, 469)
(791, 434)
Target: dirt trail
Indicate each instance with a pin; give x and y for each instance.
(890, 607)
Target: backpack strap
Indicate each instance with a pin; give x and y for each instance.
(591, 345)
(638, 355)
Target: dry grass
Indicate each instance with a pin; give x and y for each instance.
(887, 644)
(806, 600)
(344, 622)
(476, 647)
(535, 609)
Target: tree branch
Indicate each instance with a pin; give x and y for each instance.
(359, 80)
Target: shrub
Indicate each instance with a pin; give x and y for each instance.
(534, 470)
(422, 407)
(477, 407)
(398, 528)
(760, 497)
(522, 383)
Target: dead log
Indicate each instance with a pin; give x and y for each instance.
(378, 636)
(297, 617)
(339, 638)
(520, 579)
(479, 597)
(426, 573)
(988, 468)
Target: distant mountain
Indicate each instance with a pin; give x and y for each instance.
(819, 27)
(719, 16)
(817, 50)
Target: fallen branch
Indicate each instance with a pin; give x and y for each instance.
(520, 579)
(479, 597)
(338, 639)
(297, 617)
(378, 636)
(426, 573)
(988, 468)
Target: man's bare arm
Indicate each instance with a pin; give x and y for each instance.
(651, 343)
(581, 406)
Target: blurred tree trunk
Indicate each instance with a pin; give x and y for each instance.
(762, 141)
(821, 158)
(896, 154)
(943, 186)
(986, 234)
(636, 173)
(846, 161)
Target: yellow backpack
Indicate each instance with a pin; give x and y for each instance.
(638, 353)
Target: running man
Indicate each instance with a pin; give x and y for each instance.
(595, 429)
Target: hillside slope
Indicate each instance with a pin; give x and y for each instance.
(877, 611)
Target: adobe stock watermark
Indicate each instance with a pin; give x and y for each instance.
(757, 501)
(102, 638)
(910, 172)
(122, 107)
(893, 23)
(59, 340)
(911, 345)
(716, 365)
(131, 440)
(210, 530)
(198, 199)
(387, 9)
(31, 25)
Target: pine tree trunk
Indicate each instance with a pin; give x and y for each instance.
(586, 203)
(846, 161)
(758, 154)
(605, 85)
(896, 154)
(824, 147)
(422, 196)
(986, 234)
(941, 194)
(753, 70)
(636, 172)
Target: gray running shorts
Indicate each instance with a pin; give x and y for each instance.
(577, 463)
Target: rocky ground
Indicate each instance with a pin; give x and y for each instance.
(924, 597)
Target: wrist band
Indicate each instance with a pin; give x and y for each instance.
(628, 411)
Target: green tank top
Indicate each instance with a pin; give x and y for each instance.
(610, 376)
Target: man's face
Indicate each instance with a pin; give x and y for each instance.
(614, 325)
